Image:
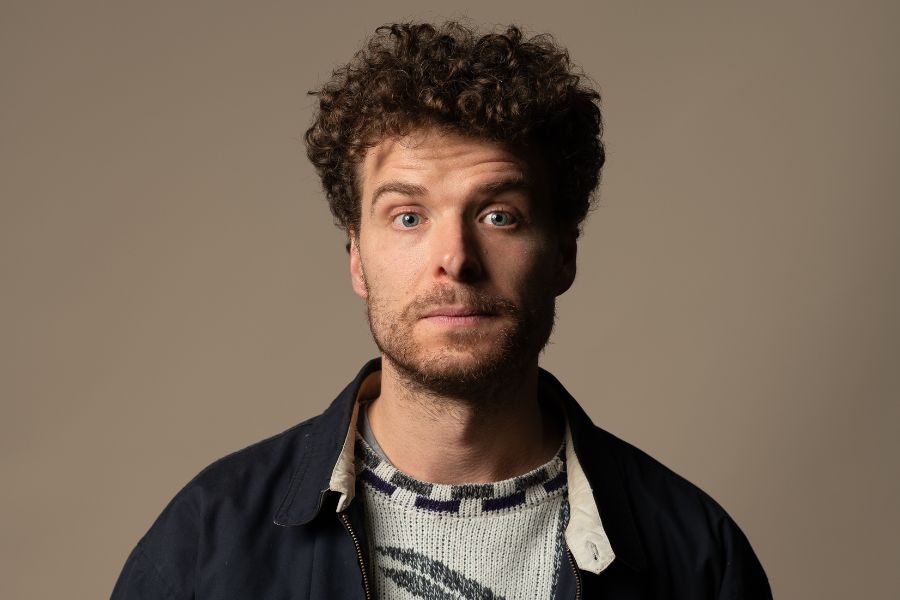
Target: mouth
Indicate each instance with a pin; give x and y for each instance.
(456, 315)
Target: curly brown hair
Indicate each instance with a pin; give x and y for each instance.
(499, 86)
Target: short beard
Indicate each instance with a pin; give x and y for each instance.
(502, 366)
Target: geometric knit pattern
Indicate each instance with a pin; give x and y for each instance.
(486, 541)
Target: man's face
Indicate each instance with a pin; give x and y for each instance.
(458, 258)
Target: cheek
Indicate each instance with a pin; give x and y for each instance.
(523, 266)
(392, 275)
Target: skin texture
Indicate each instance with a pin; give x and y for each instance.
(459, 261)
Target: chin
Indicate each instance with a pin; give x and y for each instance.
(465, 362)
(455, 371)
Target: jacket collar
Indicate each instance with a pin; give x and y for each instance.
(595, 450)
(320, 447)
(601, 525)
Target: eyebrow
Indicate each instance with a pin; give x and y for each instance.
(492, 188)
(511, 184)
(396, 187)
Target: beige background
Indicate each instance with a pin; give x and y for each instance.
(172, 288)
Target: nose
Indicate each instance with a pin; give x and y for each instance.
(456, 252)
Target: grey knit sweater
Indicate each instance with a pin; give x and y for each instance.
(483, 541)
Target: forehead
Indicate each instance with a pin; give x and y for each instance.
(434, 157)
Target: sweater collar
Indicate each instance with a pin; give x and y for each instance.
(326, 466)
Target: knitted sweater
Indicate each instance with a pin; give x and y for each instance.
(483, 541)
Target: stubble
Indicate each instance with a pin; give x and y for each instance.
(467, 364)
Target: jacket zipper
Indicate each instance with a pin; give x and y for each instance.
(359, 555)
(577, 575)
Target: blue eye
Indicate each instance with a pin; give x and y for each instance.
(499, 218)
(407, 220)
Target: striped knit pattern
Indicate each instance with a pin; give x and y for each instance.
(489, 541)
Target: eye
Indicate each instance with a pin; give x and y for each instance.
(500, 218)
(407, 220)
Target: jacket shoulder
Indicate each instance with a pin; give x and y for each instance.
(238, 490)
(263, 462)
(651, 482)
(685, 533)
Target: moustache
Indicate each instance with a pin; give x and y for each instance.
(474, 300)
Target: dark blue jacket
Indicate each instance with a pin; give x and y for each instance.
(261, 524)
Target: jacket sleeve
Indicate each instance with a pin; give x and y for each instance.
(163, 564)
(141, 580)
(743, 577)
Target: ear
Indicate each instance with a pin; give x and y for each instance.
(357, 278)
(566, 266)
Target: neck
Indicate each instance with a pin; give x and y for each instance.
(492, 434)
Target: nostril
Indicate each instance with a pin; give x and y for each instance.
(461, 266)
(470, 271)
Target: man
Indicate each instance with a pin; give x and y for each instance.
(461, 167)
